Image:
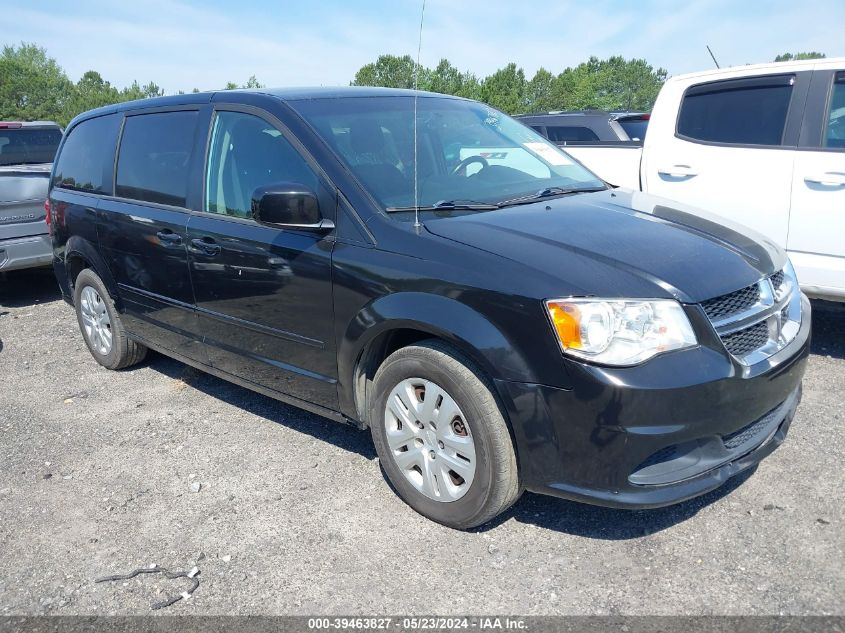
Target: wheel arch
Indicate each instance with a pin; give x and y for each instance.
(400, 319)
(81, 254)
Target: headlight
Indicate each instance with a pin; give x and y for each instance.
(619, 332)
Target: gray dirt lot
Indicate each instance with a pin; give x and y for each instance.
(294, 516)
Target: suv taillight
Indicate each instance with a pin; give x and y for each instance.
(47, 216)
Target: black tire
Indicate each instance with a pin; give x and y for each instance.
(124, 351)
(496, 485)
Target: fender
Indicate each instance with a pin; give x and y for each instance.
(80, 247)
(468, 330)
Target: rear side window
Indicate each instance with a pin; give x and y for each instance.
(634, 128)
(835, 129)
(567, 133)
(28, 146)
(155, 157)
(740, 111)
(86, 162)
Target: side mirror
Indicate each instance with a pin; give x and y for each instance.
(290, 205)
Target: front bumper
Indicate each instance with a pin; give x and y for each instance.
(25, 252)
(659, 433)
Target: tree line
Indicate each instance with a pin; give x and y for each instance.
(34, 87)
(607, 84)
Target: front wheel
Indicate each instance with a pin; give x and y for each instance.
(100, 324)
(441, 436)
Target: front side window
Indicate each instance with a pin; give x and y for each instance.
(155, 157)
(835, 128)
(741, 112)
(86, 162)
(246, 153)
(465, 151)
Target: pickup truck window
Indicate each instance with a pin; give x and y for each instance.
(738, 112)
(155, 154)
(466, 150)
(634, 128)
(28, 146)
(835, 130)
(86, 162)
(567, 133)
(247, 153)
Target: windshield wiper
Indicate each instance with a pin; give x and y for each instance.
(449, 205)
(548, 192)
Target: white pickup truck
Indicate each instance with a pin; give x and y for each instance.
(763, 145)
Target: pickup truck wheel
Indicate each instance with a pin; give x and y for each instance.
(101, 326)
(441, 436)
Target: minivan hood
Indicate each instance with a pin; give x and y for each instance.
(622, 243)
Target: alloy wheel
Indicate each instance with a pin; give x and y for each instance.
(95, 320)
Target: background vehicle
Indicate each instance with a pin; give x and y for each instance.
(26, 157)
(762, 145)
(591, 132)
(531, 330)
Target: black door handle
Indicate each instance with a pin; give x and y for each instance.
(169, 238)
(206, 246)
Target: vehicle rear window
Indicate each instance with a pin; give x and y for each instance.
(155, 157)
(86, 162)
(569, 133)
(29, 146)
(634, 128)
(743, 112)
(835, 129)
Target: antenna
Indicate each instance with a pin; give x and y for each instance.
(417, 224)
(712, 55)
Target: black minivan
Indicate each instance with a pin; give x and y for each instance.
(426, 267)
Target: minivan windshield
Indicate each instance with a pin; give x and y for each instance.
(28, 146)
(469, 155)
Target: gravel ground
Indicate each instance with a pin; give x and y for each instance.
(98, 471)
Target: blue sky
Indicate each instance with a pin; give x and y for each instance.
(181, 44)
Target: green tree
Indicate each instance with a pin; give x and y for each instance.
(390, 71)
(628, 84)
(539, 92)
(788, 57)
(505, 89)
(610, 84)
(448, 80)
(252, 82)
(91, 91)
(32, 85)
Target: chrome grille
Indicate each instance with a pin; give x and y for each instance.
(758, 320)
(732, 303)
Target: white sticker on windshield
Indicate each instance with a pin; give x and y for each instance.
(548, 154)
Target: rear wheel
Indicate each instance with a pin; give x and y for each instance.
(441, 436)
(100, 324)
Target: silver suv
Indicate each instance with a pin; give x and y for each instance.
(26, 157)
